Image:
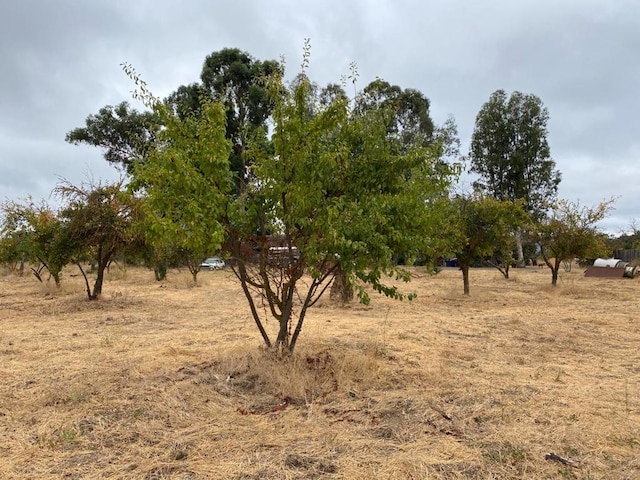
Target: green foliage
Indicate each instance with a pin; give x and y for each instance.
(234, 78)
(125, 134)
(335, 187)
(14, 238)
(10, 252)
(97, 220)
(185, 182)
(486, 226)
(570, 231)
(410, 122)
(333, 183)
(510, 152)
(36, 232)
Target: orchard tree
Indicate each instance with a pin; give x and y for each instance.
(97, 219)
(326, 189)
(40, 236)
(14, 237)
(486, 226)
(409, 125)
(185, 183)
(332, 190)
(570, 231)
(510, 153)
(11, 253)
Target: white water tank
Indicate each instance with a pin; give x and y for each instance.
(610, 262)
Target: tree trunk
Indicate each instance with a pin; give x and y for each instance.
(282, 342)
(84, 275)
(103, 261)
(519, 250)
(341, 288)
(97, 286)
(160, 272)
(465, 278)
(21, 268)
(554, 272)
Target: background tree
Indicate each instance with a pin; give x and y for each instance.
(411, 122)
(510, 153)
(98, 220)
(11, 255)
(626, 240)
(486, 226)
(14, 237)
(570, 231)
(234, 78)
(229, 76)
(40, 236)
(125, 134)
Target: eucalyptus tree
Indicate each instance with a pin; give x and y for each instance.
(510, 152)
(125, 134)
(235, 79)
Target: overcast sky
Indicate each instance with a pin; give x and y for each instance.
(60, 61)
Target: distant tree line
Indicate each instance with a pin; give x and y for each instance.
(302, 188)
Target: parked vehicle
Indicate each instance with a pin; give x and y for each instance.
(213, 263)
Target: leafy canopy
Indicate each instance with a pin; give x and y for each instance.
(570, 231)
(510, 152)
(333, 186)
(486, 226)
(125, 134)
(185, 182)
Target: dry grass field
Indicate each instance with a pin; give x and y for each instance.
(170, 381)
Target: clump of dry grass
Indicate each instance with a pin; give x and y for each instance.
(306, 377)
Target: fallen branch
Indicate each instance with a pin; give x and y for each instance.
(558, 458)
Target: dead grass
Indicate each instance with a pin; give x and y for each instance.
(167, 380)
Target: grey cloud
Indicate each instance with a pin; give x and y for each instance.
(61, 62)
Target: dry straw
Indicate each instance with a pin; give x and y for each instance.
(167, 380)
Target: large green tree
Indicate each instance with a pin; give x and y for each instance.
(186, 180)
(327, 188)
(510, 153)
(332, 190)
(125, 134)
